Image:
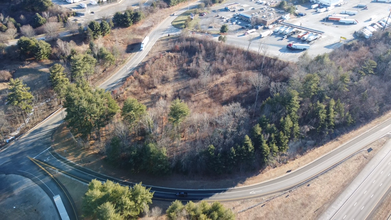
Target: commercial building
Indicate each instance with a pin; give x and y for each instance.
(245, 17)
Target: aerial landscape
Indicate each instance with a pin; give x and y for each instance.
(195, 109)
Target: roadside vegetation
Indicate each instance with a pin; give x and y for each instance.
(111, 201)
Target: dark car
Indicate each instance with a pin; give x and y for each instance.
(181, 194)
(301, 14)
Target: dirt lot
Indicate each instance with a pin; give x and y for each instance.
(20, 198)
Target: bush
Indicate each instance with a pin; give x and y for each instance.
(224, 28)
(5, 76)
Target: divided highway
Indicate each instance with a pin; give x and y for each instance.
(366, 190)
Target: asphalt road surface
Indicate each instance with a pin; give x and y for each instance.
(365, 192)
(35, 144)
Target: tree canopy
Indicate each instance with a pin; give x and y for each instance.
(20, 96)
(88, 109)
(178, 112)
(202, 210)
(132, 110)
(58, 79)
(113, 201)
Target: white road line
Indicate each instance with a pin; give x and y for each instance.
(38, 179)
(42, 152)
(355, 204)
(371, 195)
(365, 192)
(344, 217)
(362, 208)
(381, 184)
(384, 128)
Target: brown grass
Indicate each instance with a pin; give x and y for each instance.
(308, 202)
(383, 211)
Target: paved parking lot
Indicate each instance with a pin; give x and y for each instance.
(276, 43)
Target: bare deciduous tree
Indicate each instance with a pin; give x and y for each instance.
(27, 30)
(72, 26)
(51, 30)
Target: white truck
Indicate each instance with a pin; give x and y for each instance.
(83, 5)
(314, 6)
(387, 1)
(298, 46)
(266, 33)
(349, 12)
(305, 37)
(277, 29)
(288, 30)
(320, 10)
(348, 21)
(144, 43)
(282, 30)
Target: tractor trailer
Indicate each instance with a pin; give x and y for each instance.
(298, 46)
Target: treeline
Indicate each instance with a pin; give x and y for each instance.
(111, 201)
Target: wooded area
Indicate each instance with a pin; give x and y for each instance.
(246, 110)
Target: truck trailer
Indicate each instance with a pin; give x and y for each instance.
(348, 21)
(298, 46)
(144, 43)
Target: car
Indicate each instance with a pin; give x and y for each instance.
(241, 9)
(181, 194)
(252, 8)
(173, 14)
(92, 12)
(301, 14)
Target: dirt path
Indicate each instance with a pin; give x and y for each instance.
(20, 198)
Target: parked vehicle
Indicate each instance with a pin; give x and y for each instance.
(371, 29)
(320, 10)
(302, 35)
(83, 5)
(314, 6)
(348, 21)
(301, 14)
(313, 37)
(305, 37)
(277, 29)
(386, 1)
(266, 33)
(361, 6)
(349, 12)
(298, 46)
(282, 29)
(288, 30)
(330, 8)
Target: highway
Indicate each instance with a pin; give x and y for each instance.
(36, 144)
(366, 191)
